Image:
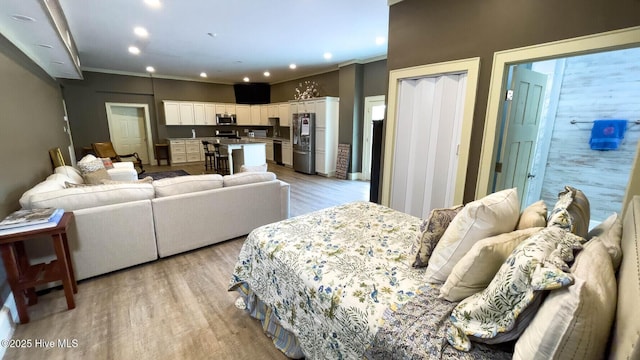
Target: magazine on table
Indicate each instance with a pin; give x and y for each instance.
(21, 221)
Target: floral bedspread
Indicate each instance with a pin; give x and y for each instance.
(330, 275)
(418, 330)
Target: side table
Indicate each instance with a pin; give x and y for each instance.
(23, 277)
(162, 153)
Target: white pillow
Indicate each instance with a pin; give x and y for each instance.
(248, 178)
(535, 215)
(574, 322)
(476, 269)
(71, 172)
(61, 179)
(494, 214)
(187, 184)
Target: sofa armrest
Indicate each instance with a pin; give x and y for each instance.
(285, 199)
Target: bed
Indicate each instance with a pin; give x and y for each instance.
(338, 284)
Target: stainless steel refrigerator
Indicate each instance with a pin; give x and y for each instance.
(304, 142)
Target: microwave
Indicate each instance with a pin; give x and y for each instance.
(226, 119)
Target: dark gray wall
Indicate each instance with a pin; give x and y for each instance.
(31, 123)
(327, 86)
(86, 100)
(430, 31)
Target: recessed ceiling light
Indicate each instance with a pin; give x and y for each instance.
(153, 3)
(327, 55)
(22, 18)
(134, 50)
(292, 66)
(150, 69)
(203, 74)
(246, 79)
(380, 40)
(140, 31)
(267, 74)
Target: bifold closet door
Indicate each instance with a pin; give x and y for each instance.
(427, 137)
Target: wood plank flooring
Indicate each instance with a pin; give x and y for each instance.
(172, 308)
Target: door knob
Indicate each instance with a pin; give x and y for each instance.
(531, 176)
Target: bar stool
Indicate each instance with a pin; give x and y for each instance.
(209, 156)
(222, 160)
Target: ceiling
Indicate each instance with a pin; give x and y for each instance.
(228, 40)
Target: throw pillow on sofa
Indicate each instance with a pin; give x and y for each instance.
(609, 232)
(73, 173)
(92, 170)
(494, 214)
(571, 211)
(432, 230)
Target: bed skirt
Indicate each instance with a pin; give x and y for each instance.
(283, 340)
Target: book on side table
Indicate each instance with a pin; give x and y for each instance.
(29, 220)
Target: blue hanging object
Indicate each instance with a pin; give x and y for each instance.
(607, 134)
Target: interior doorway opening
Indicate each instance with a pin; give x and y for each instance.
(374, 110)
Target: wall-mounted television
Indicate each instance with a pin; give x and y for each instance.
(252, 93)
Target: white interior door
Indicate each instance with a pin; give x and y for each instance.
(130, 130)
(374, 109)
(429, 123)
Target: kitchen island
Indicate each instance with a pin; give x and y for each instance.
(243, 152)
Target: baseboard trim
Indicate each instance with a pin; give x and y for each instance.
(354, 176)
(8, 321)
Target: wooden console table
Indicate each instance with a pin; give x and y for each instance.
(23, 277)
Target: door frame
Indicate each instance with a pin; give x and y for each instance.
(611, 40)
(147, 124)
(471, 67)
(367, 132)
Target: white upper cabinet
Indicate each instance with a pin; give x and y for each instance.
(199, 114)
(264, 115)
(243, 114)
(284, 114)
(255, 114)
(171, 113)
(210, 113)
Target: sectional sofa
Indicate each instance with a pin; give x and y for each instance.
(123, 224)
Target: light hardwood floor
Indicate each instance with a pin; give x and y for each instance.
(172, 308)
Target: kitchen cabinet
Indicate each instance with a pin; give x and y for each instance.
(268, 149)
(199, 114)
(177, 151)
(255, 114)
(243, 114)
(178, 113)
(210, 114)
(272, 110)
(284, 114)
(192, 149)
(264, 115)
(225, 108)
(287, 153)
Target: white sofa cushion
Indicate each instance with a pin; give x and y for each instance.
(90, 196)
(43, 187)
(187, 184)
(494, 214)
(248, 178)
(71, 172)
(60, 179)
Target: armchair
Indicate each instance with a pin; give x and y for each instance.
(105, 149)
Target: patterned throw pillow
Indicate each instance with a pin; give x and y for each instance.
(572, 212)
(432, 229)
(538, 263)
(107, 162)
(92, 170)
(535, 215)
